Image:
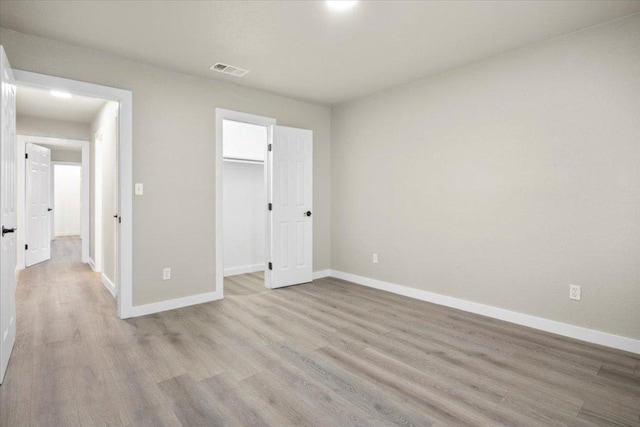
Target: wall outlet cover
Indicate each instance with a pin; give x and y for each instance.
(575, 292)
(166, 274)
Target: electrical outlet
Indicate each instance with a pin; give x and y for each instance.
(575, 292)
(166, 274)
(375, 258)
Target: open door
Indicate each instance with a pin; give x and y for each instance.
(7, 213)
(38, 208)
(291, 195)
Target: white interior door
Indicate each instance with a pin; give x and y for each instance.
(7, 213)
(38, 208)
(291, 191)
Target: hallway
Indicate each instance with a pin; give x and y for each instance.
(65, 317)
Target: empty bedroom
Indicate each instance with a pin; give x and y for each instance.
(320, 213)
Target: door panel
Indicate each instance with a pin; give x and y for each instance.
(291, 168)
(7, 212)
(38, 187)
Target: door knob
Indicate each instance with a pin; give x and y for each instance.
(49, 209)
(7, 230)
(307, 213)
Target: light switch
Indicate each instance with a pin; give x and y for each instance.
(139, 189)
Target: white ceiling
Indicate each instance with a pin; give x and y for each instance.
(40, 103)
(302, 49)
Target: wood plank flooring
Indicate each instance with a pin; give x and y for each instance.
(328, 353)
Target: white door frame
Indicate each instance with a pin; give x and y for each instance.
(84, 200)
(125, 169)
(22, 223)
(221, 115)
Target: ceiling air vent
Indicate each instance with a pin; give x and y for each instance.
(229, 69)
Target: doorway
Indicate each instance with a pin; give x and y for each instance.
(67, 199)
(41, 112)
(119, 125)
(10, 158)
(59, 151)
(264, 197)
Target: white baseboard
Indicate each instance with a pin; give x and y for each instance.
(92, 264)
(559, 328)
(67, 233)
(157, 307)
(321, 274)
(111, 287)
(243, 270)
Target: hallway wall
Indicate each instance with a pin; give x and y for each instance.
(67, 200)
(105, 122)
(38, 126)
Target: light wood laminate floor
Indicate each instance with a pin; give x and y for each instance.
(328, 353)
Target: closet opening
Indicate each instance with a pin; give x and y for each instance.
(244, 153)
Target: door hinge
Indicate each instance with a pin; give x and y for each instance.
(270, 147)
(270, 206)
(26, 247)
(26, 155)
(270, 266)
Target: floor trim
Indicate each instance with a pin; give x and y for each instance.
(92, 264)
(321, 274)
(234, 271)
(111, 287)
(172, 304)
(67, 234)
(559, 328)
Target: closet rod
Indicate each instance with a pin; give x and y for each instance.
(236, 160)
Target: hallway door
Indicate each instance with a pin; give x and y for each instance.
(8, 217)
(38, 204)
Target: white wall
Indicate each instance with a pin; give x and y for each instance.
(105, 122)
(503, 182)
(67, 199)
(243, 217)
(71, 156)
(38, 126)
(64, 154)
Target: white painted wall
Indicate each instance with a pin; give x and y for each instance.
(71, 156)
(38, 126)
(243, 140)
(105, 123)
(243, 217)
(503, 182)
(67, 199)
